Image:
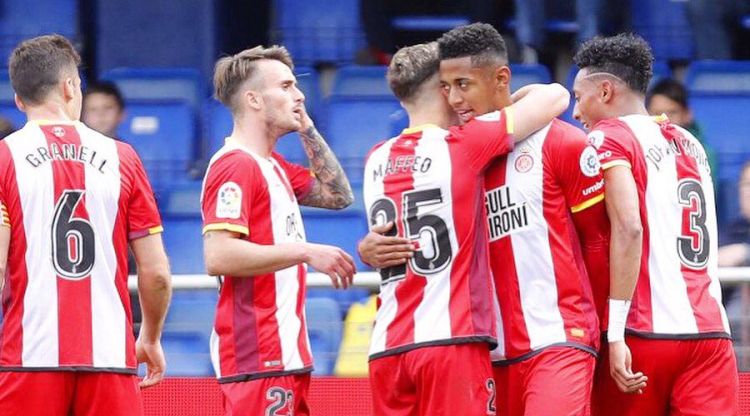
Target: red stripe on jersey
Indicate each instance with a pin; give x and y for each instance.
(410, 291)
(502, 261)
(74, 294)
(245, 325)
(479, 269)
(304, 349)
(16, 277)
(705, 308)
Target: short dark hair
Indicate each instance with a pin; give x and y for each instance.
(482, 42)
(37, 64)
(671, 89)
(626, 56)
(411, 67)
(106, 88)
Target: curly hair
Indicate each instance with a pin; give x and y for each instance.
(626, 56)
(410, 67)
(480, 41)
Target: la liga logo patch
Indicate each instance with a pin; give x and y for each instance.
(229, 201)
(590, 162)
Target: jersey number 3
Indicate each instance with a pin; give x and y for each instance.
(72, 238)
(428, 259)
(693, 244)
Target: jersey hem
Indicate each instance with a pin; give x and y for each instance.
(530, 354)
(82, 369)
(614, 163)
(225, 226)
(655, 335)
(256, 376)
(587, 204)
(453, 341)
(134, 235)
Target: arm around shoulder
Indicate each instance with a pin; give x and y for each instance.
(536, 106)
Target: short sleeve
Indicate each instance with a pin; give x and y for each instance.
(143, 214)
(486, 137)
(578, 169)
(615, 144)
(300, 178)
(228, 191)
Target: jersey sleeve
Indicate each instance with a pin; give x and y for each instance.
(301, 178)
(143, 214)
(228, 192)
(578, 169)
(486, 137)
(615, 144)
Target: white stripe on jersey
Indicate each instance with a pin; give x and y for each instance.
(432, 320)
(40, 320)
(214, 351)
(531, 249)
(102, 203)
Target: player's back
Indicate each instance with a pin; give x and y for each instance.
(428, 181)
(74, 198)
(678, 291)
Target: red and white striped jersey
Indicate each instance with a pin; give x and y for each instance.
(678, 292)
(73, 199)
(260, 328)
(429, 182)
(542, 285)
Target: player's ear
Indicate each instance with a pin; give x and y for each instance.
(19, 104)
(606, 91)
(68, 88)
(253, 99)
(502, 76)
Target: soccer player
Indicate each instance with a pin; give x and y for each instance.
(429, 350)
(658, 182)
(103, 108)
(255, 240)
(72, 200)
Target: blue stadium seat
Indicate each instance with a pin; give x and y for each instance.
(181, 199)
(325, 328)
(664, 24)
(344, 298)
(319, 30)
(187, 354)
(145, 84)
(21, 19)
(192, 311)
(441, 23)
(718, 77)
(339, 228)
(163, 134)
(355, 126)
(361, 82)
(524, 74)
(183, 242)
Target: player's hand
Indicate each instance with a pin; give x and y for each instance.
(380, 251)
(153, 355)
(334, 262)
(620, 362)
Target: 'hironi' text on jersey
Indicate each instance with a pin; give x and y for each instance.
(505, 215)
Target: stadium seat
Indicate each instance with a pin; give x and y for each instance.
(718, 77)
(181, 199)
(344, 298)
(429, 23)
(184, 244)
(342, 228)
(355, 126)
(355, 343)
(524, 74)
(319, 30)
(324, 328)
(664, 24)
(163, 134)
(187, 354)
(157, 84)
(192, 311)
(361, 82)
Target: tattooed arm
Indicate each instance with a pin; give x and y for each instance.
(331, 188)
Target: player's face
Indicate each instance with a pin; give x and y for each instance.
(661, 104)
(282, 99)
(102, 113)
(471, 91)
(588, 106)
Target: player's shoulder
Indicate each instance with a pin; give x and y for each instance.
(613, 129)
(563, 131)
(231, 164)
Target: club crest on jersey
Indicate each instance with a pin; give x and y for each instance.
(58, 131)
(590, 162)
(596, 138)
(524, 162)
(229, 201)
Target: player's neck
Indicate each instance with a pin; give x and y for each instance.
(48, 111)
(631, 105)
(253, 136)
(420, 115)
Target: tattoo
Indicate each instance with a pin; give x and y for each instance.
(331, 188)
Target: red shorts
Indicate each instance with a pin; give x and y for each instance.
(61, 393)
(441, 380)
(270, 396)
(556, 381)
(685, 377)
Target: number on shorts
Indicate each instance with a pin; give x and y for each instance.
(280, 399)
(491, 408)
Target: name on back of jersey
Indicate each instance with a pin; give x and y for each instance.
(401, 164)
(505, 214)
(656, 153)
(68, 151)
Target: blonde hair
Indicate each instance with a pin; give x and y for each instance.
(411, 67)
(230, 72)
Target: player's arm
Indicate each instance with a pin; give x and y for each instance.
(154, 292)
(226, 253)
(621, 197)
(535, 106)
(331, 188)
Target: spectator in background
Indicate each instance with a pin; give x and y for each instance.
(103, 108)
(735, 244)
(670, 97)
(6, 128)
